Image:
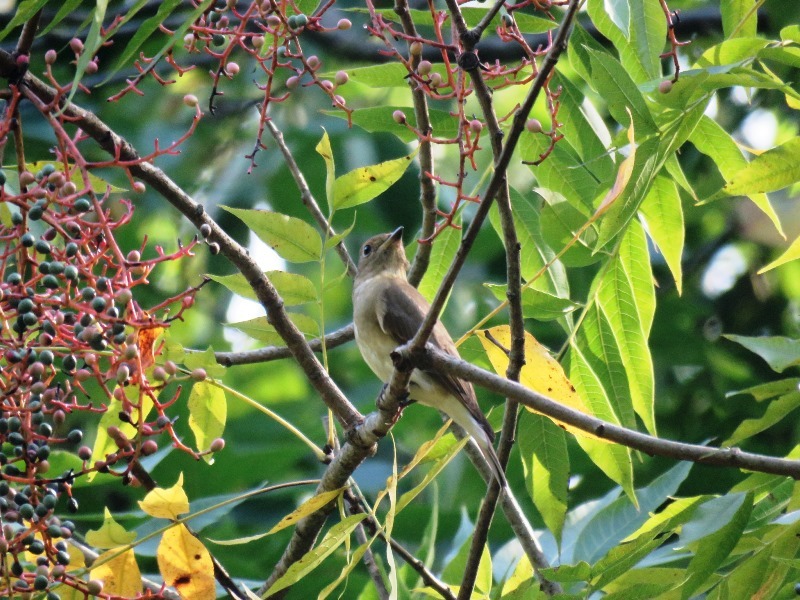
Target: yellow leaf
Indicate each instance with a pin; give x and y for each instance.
(311, 505)
(306, 508)
(110, 535)
(326, 152)
(146, 342)
(541, 372)
(186, 564)
(166, 503)
(120, 575)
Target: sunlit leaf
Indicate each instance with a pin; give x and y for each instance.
(206, 360)
(791, 253)
(712, 140)
(293, 288)
(260, 329)
(718, 524)
(773, 170)
(663, 212)
(120, 575)
(540, 371)
(208, 410)
(110, 534)
(545, 461)
(292, 238)
(326, 152)
(333, 539)
(365, 183)
(166, 503)
(619, 90)
(627, 298)
(739, 18)
(537, 304)
(185, 564)
(308, 507)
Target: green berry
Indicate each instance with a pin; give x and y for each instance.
(28, 240)
(82, 205)
(50, 282)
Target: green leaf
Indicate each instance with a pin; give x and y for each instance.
(563, 172)
(560, 222)
(621, 93)
(648, 32)
(313, 558)
(773, 170)
(204, 360)
(94, 41)
(600, 350)
(143, 32)
(454, 571)
(620, 519)
(791, 253)
(293, 288)
(534, 254)
(260, 329)
(732, 52)
(663, 212)
(716, 143)
(335, 239)
(110, 534)
(739, 18)
(23, 12)
(779, 352)
(613, 459)
(443, 252)
(585, 136)
(208, 410)
(67, 8)
(718, 524)
(365, 183)
(626, 298)
(537, 304)
(379, 118)
(292, 238)
(776, 411)
(651, 156)
(545, 461)
(326, 152)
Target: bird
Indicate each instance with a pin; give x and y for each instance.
(387, 312)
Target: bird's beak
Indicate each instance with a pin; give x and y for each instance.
(397, 234)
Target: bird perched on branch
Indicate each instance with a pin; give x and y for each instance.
(387, 312)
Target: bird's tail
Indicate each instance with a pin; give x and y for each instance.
(490, 455)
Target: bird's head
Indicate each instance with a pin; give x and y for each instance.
(383, 254)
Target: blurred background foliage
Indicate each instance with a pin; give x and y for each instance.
(696, 369)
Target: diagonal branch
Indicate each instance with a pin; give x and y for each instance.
(652, 446)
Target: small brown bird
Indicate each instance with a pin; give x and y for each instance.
(387, 312)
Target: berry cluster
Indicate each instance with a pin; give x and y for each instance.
(74, 340)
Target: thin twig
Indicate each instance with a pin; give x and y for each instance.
(427, 196)
(308, 199)
(268, 353)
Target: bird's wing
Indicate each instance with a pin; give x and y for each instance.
(400, 315)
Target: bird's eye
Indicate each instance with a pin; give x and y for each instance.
(366, 250)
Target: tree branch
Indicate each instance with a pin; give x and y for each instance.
(117, 146)
(652, 446)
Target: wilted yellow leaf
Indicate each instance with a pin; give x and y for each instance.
(166, 503)
(541, 372)
(120, 575)
(110, 535)
(186, 564)
(146, 341)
